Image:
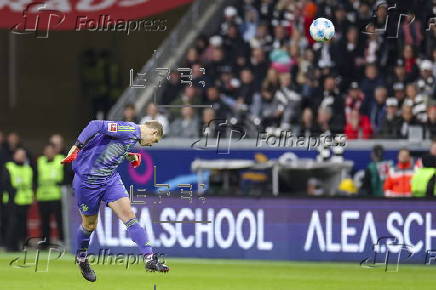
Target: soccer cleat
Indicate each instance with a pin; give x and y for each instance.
(155, 262)
(86, 270)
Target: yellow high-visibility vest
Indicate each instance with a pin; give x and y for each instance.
(21, 179)
(49, 175)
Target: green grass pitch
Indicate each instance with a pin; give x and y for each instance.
(214, 274)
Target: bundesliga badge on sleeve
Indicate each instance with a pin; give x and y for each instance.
(112, 127)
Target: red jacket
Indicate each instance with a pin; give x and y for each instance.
(363, 130)
(397, 183)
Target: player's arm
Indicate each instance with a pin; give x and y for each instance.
(118, 130)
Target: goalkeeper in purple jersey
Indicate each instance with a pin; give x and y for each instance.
(99, 149)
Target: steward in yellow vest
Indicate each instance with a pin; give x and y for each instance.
(50, 178)
(18, 185)
(424, 180)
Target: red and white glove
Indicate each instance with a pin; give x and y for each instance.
(72, 155)
(134, 159)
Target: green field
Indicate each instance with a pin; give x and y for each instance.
(201, 274)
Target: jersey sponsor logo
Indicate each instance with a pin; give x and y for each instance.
(112, 127)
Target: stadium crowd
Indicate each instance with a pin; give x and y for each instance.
(29, 184)
(263, 71)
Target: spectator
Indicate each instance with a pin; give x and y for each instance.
(424, 180)
(192, 57)
(153, 114)
(307, 126)
(188, 97)
(214, 99)
(430, 126)
(375, 174)
(399, 93)
(247, 89)
(50, 177)
(348, 56)
(268, 110)
(263, 39)
(341, 23)
(209, 124)
(259, 66)
(397, 183)
(354, 99)
(186, 126)
(231, 18)
(271, 81)
(280, 59)
(233, 44)
(324, 121)
(399, 75)
(418, 103)
(172, 88)
(391, 124)
(408, 120)
(358, 126)
(332, 99)
(378, 109)
(426, 84)
(290, 100)
(410, 63)
(58, 144)
(129, 114)
(216, 63)
(12, 143)
(368, 85)
(248, 28)
(227, 83)
(19, 183)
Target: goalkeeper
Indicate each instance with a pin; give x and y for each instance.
(99, 149)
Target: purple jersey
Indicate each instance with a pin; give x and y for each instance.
(104, 147)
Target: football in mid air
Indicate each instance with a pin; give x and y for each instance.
(322, 29)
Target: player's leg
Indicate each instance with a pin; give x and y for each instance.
(123, 210)
(89, 224)
(88, 201)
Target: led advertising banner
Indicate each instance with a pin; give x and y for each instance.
(276, 228)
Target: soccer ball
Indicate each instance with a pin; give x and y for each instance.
(322, 29)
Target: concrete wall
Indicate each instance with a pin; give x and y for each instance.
(48, 87)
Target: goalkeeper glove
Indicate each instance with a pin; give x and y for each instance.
(72, 155)
(134, 159)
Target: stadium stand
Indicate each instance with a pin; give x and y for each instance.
(261, 72)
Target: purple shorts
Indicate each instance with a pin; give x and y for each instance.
(89, 196)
